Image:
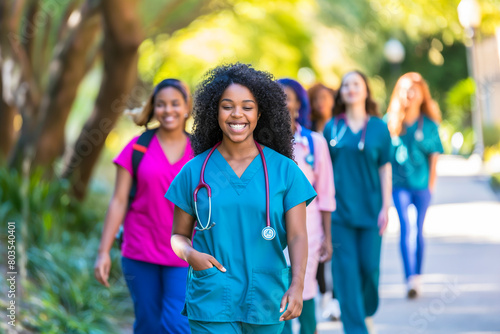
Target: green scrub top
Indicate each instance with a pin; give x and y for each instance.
(358, 191)
(410, 156)
(257, 275)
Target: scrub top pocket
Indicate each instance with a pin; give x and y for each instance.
(207, 295)
(267, 288)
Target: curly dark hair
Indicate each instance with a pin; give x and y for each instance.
(274, 125)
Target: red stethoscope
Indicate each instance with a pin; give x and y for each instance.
(338, 135)
(268, 232)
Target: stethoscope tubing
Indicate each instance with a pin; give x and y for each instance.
(268, 219)
(338, 135)
(203, 184)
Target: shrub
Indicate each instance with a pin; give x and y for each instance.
(61, 237)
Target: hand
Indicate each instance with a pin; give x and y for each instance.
(101, 268)
(201, 261)
(293, 297)
(383, 219)
(326, 251)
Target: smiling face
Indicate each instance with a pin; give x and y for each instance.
(170, 109)
(238, 113)
(353, 90)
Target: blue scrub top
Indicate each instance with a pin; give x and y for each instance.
(257, 275)
(410, 157)
(358, 191)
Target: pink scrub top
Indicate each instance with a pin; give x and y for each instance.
(148, 223)
(322, 180)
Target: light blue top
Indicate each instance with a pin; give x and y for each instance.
(257, 275)
(358, 190)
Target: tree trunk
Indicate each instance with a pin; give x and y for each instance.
(7, 133)
(42, 134)
(122, 37)
(71, 63)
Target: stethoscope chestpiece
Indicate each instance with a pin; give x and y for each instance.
(333, 142)
(361, 146)
(419, 135)
(268, 233)
(310, 159)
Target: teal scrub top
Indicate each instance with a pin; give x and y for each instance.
(358, 191)
(410, 157)
(257, 275)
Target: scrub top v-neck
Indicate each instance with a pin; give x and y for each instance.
(148, 223)
(257, 275)
(410, 157)
(358, 191)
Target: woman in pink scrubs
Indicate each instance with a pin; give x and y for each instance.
(314, 161)
(155, 276)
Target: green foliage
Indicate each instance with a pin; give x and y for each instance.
(270, 35)
(61, 294)
(64, 294)
(49, 208)
(491, 134)
(495, 181)
(458, 103)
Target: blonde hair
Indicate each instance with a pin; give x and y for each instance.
(146, 114)
(396, 111)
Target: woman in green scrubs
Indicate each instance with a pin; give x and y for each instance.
(238, 281)
(360, 145)
(413, 118)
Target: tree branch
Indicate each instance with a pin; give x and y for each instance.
(45, 133)
(122, 37)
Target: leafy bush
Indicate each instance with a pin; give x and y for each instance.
(491, 134)
(61, 294)
(47, 206)
(495, 181)
(458, 104)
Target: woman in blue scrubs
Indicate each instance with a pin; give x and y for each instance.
(360, 145)
(238, 279)
(412, 119)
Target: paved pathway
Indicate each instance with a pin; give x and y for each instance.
(461, 291)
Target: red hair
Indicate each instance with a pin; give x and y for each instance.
(396, 110)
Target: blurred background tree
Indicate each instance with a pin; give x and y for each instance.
(49, 47)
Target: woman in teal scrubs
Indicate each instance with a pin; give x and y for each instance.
(360, 145)
(412, 120)
(238, 280)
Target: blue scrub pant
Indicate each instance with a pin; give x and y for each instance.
(204, 327)
(158, 294)
(355, 269)
(412, 259)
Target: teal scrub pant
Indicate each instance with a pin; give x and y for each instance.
(204, 327)
(355, 269)
(307, 319)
